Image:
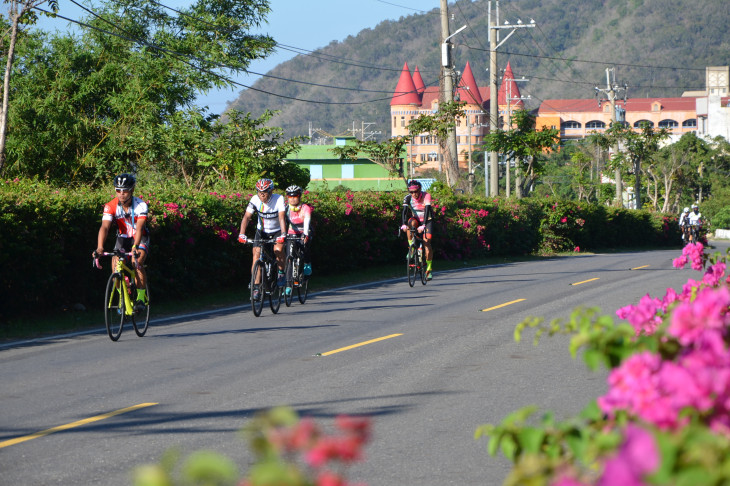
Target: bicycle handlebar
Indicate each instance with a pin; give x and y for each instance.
(117, 253)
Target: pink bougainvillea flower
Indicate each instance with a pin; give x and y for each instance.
(576, 249)
(707, 311)
(564, 219)
(642, 316)
(637, 456)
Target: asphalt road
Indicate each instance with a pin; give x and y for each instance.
(445, 367)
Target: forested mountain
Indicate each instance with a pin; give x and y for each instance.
(658, 47)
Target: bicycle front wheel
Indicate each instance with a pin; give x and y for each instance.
(411, 266)
(257, 289)
(421, 264)
(114, 307)
(276, 292)
(141, 319)
(289, 281)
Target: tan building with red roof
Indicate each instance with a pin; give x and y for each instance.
(577, 119)
(412, 98)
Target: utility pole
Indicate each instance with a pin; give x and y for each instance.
(611, 91)
(493, 97)
(518, 179)
(447, 94)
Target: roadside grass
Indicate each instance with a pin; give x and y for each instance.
(66, 321)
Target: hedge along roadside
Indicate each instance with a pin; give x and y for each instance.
(48, 234)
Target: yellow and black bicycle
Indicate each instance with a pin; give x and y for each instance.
(120, 297)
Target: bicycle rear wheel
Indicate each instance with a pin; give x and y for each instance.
(289, 281)
(411, 266)
(141, 320)
(114, 307)
(257, 289)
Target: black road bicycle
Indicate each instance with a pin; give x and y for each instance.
(416, 261)
(264, 279)
(295, 278)
(119, 299)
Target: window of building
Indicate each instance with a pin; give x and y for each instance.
(692, 123)
(668, 124)
(570, 124)
(315, 171)
(639, 123)
(348, 171)
(656, 106)
(395, 121)
(403, 121)
(595, 124)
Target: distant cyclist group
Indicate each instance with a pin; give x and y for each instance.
(277, 221)
(690, 224)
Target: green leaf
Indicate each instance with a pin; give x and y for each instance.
(531, 439)
(593, 359)
(509, 447)
(693, 476)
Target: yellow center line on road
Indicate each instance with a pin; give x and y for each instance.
(585, 281)
(502, 305)
(358, 345)
(639, 268)
(78, 423)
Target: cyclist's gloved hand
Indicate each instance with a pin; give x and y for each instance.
(404, 228)
(421, 228)
(280, 239)
(242, 238)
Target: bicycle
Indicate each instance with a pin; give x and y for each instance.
(264, 279)
(295, 278)
(416, 262)
(119, 300)
(694, 233)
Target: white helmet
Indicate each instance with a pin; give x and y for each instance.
(686, 210)
(694, 206)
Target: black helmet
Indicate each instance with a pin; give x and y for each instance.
(294, 190)
(124, 181)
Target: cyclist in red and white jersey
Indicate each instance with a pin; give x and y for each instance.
(271, 223)
(417, 204)
(299, 216)
(130, 215)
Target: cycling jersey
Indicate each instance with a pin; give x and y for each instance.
(694, 218)
(418, 206)
(268, 213)
(683, 219)
(126, 219)
(299, 219)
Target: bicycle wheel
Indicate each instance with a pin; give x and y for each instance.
(114, 307)
(421, 264)
(257, 289)
(289, 281)
(276, 291)
(303, 286)
(141, 320)
(411, 267)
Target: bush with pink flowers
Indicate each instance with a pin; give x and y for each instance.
(665, 417)
(49, 233)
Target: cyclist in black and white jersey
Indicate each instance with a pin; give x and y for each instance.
(269, 210)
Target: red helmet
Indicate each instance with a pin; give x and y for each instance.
(265, 185)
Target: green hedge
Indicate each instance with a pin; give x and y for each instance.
(48, 235)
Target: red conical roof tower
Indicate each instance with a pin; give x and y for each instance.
(468, 89)
(405, 92)
(418, 82)
(509, 87)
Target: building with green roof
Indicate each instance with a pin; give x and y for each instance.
(327, 170)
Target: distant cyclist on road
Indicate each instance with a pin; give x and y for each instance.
(130, 215)
(271, 223)
(417, 204)
(299, 217)
(695, 222)
(684, 222)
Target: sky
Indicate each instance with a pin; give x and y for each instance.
(304, 24)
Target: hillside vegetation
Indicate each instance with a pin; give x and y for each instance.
(659, 47)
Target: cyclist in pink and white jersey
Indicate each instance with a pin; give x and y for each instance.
(299, 216)
(130, 215)
(417, 204)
